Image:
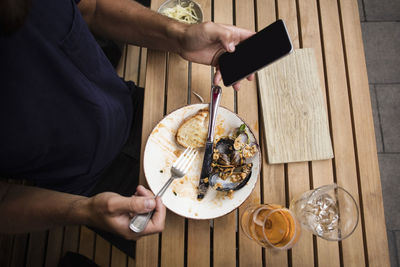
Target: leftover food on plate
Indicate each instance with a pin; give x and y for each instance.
(231, 168)
(236, 166)
(231, 162)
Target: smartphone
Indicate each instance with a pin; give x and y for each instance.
(254, 53)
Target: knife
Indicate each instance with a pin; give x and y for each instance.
(208, 153)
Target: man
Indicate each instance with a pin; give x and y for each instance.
(66, 117)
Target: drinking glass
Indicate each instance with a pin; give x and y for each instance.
(270, 225)
(329, 212)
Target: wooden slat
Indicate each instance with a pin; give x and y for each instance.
(19, 250)
(223, 13)
(303, 251)
(36, 249)
(118, 258)
(173, 236)
(224, 237)
(250, 253)
(328, 251)
(132, 60)
(298, 175)
(224, 234)
(177, 82)
(143, 61)
(131, 262)
(342, 135)
(265, 13)
(322, 172)
(102, 251)
(274, 193)
(198, 254)
(71, 239)
(54, 246)
(376, 241)
(86, 242)
(173, 241)
(147, 247)
(132, 63)
(273, 176)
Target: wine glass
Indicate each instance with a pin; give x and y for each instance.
(271, 226)
(329, 212)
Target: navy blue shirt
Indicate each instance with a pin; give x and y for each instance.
(64, 112)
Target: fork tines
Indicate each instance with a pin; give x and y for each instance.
(185, 159)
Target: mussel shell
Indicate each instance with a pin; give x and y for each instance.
(225, 150)
(227, 185)
(224, 146)
(235, 159)
(224, 159)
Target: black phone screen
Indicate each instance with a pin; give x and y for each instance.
(254, 53)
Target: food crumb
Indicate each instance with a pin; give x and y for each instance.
(177, 153)
(174, 193)
(161, 171)
(196, 214)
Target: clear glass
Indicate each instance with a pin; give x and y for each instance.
(270, 226)
(329, 211)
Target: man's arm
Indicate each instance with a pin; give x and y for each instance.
(130, 22)
(25, 208)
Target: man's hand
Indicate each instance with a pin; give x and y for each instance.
(113, 212)
(44, 209)
(204, 43)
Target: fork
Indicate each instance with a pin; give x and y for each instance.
(178, 170)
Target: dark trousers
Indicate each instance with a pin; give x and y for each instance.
(122, 175)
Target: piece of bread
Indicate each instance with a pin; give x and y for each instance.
(193, 130)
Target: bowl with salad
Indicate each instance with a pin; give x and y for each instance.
(186, 11)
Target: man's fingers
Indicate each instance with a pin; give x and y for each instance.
(223, 35)
(142, 191)
(250, 77)
(157, 222)
(236, 86)
(135, 204)
(240, 33)
(217, 77)
(226, 36)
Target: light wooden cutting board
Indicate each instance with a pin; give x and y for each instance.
(293, 109)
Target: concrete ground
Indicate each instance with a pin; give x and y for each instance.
(380, 22)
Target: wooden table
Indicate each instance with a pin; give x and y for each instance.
(332, 28)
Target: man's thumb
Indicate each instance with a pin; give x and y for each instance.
(134, 204)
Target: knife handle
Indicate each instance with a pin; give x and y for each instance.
(214, 103)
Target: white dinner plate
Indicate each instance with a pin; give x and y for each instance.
(161, 151)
